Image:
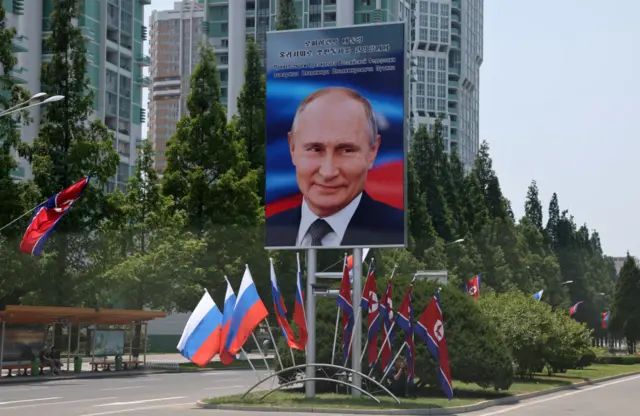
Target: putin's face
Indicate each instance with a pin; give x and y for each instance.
(332, 151)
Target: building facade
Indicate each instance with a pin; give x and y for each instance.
(114, 33)
(446, 52)
(173, 46)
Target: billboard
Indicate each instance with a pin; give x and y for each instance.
(335, 141)
(108, 342)
(22, 344)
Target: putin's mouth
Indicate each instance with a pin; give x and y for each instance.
(328, 189)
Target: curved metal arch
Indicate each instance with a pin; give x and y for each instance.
(331, 380)
(339, 367)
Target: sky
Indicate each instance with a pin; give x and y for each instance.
(559, 104)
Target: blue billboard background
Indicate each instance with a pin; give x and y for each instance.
(385, 90)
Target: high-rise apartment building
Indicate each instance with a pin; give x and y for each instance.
(446, 51)
(173, 45)
(114, 34)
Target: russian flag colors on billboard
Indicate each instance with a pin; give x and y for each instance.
(200, 340)
(247, 315)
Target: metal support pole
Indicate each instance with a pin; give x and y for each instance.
(146, 328)
(78, 343)
(356, 336)
(2, 348)
(68, 346)
(133, 335)
(310, 386)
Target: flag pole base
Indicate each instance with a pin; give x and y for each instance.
(331, 380)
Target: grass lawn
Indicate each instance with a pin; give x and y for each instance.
(464, 394)
(258, 364)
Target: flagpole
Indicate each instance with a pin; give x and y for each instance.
(275, 346)
(383, 344)
(264, 358)
(250, 363)
(392, 362)
(20, 217)
(335, 337)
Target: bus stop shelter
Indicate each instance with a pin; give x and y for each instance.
(54, 315)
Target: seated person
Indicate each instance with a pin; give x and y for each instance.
(48, 361)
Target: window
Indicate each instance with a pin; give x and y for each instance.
(434, 35)
(444, 9)
(434, 8)
(420, 89)
(366, 18)
(444, 36)
(444, 22)
(420, 103)
(434, 22)
(431, 77)
(365, 2)
(441, 91)
(431, 104)
(431, 90)
(224, 27)
(424, 20)
(431, 63)
(442, 64)
(442, 78)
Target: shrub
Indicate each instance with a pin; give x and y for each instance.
(537, 336)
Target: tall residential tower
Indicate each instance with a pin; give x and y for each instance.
(114, 33)
(173, 45)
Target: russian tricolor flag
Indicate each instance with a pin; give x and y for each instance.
(538, 295)
(225, 342)
(247, 315)
(299, 316)
(605, 320)
(574, 308)
(281, 312)
(200, 340)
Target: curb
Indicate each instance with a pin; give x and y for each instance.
(433, 411)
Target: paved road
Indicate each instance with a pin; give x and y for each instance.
(153, 394)
(175, 395)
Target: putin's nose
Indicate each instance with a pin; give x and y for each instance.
(328, 168)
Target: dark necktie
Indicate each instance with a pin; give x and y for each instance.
(318, 230)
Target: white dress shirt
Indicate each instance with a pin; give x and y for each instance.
(338, 222)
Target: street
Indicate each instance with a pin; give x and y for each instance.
(152, 394)
(176, 394)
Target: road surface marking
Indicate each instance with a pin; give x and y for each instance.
(10, 390)
(137, 409)
(31, 400)
(224, 387)
(123, 388)
(56, 403)
(140, 401)
(598, 386)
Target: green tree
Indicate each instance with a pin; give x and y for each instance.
(153, 258)
(68, 147)
(12, 273)
(533, 206)
(551, 229)
(625, 314)
(422, 234)
(251, 120)
(287, 16)
(209, 178)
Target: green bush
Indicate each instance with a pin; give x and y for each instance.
(477, 351)
(537, 336)
(618, 359)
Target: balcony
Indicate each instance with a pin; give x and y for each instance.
(453, 110)
(138, 143)
(18, 7)
(453, 124)
(455, 4)
(19, 44)
(88, 34)
(144, 81)
(453, 97)
(143, 60)
(145, 2)
(455, 44)
(143, 119)
(453, 84)
(16, 75)
(144, 32)
(454, 70)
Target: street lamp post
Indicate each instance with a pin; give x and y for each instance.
(22, 105)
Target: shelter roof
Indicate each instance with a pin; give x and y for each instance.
(41, 315)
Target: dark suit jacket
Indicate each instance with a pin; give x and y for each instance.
(373, 224)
